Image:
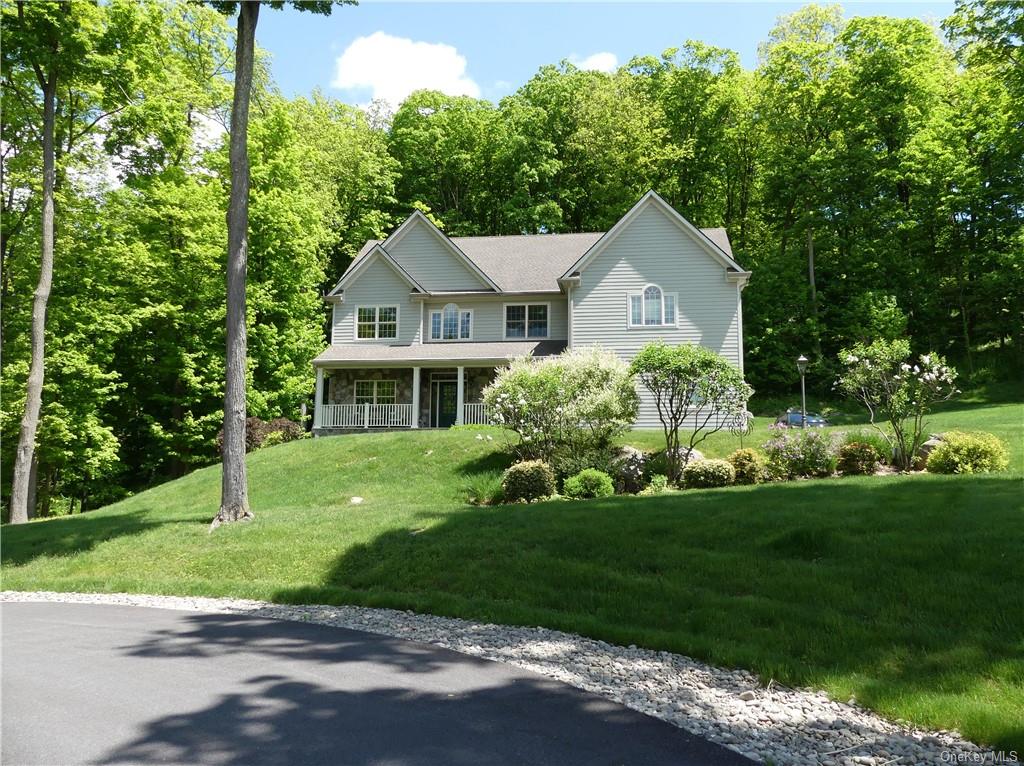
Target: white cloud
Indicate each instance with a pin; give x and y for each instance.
(393, 67)
(600, 62)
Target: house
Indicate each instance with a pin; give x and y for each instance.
(421, 320)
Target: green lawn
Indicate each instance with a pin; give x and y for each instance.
(906, 591)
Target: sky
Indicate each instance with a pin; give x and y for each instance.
(487, 50)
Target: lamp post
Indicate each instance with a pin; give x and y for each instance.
(801, 364)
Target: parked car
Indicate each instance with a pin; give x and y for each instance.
(792, 419)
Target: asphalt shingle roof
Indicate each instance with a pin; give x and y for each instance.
(534, 262)
(439, 352)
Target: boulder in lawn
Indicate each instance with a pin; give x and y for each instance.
(934, 440)
(628, 470)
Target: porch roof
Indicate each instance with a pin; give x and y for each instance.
(433, 354)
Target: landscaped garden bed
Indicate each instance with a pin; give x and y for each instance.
(568, 411)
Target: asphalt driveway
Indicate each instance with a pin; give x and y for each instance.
(87, 683)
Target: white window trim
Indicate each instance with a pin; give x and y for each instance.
(430, 325)
(504, 320)
(376, 324)
(355, 388)
(640, 293)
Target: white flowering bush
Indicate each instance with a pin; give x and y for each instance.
(575, 403)
(898, 390)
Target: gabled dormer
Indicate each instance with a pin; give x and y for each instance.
(433, 260)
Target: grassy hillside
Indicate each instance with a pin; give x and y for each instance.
(906, 591)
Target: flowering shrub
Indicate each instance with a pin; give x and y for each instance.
(794, 452)
(528, 480)
(749, 466)
(708, 473)
(857, 459)
(968, 453)
(588, 483)
(885, 379)
(575, 402)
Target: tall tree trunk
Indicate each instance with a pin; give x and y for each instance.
(814, 291)
(21, 489)
(234, 502)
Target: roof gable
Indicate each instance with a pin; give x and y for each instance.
(652, 199)
(530, 263)
(418, 220)
(376, 252)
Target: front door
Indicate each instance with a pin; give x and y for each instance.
(446, 403)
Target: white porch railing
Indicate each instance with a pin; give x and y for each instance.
(475, 414)
(365, 416)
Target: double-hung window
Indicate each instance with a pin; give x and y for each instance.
(376, 391)
(451, 323)
(376, 322)
(526, 320)
(652, 307)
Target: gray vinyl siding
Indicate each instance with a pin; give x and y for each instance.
(377, 285)
(652, 249)
(422, 253)
(489, 315)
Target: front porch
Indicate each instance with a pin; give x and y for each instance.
(351, 399)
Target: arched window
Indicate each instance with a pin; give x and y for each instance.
(451, 323)
(652, 307)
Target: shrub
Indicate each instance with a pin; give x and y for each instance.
(528, 480)
(968, 453)
(690, 383)
(589, 482)
(273, 439)
(257, 432)
(658, 462)
(857, 459)
(875, 439)
(485, 489)
(748, 465)
(793, 452)
(708, 473)
(567, 462)
(889, 383)
(576, 402)
(657, 485)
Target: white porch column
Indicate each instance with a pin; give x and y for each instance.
(460, 397)
(318, 401)
(415, 397)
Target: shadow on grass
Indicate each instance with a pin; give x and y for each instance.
(491, 462)
(21, 543)
(905, 591)
(327, 695)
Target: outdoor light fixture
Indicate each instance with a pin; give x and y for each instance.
(801, 364)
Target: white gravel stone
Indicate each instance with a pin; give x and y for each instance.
(777, 724)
